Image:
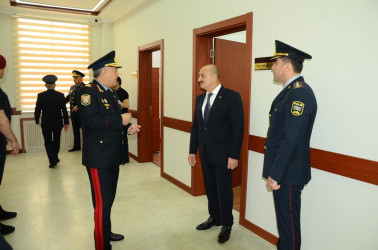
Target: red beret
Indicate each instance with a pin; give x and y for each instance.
(3, 62)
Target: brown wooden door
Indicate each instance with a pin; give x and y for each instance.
(155, 110)
(230, 60)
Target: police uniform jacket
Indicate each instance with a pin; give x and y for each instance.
(72, 96)
(223, 133)
(287, 147)
(53, 106)
(102, 126)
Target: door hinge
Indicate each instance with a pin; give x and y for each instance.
(212, 53)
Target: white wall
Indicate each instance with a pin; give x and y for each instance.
(337, 212)
(174, 165)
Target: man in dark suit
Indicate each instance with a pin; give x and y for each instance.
(287, 147)
(73, 98)
(103, 123)
(6, 134)
(217, 130)
(53, 106)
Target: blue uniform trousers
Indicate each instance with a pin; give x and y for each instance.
(287, 202)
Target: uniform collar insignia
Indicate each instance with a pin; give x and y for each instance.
(297, 84)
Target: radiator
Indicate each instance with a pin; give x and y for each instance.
(33, 138)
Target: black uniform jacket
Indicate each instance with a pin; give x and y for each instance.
(4, 105)
(100, 113)
(287, 147)
(73, 96)
(53, 106)
(223, 133)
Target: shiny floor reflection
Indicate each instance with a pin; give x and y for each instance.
(55, 209)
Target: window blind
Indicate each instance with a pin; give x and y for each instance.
(46, 47)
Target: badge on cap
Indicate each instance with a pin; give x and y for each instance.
(297, 108)
(85, 99)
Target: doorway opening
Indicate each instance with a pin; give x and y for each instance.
(234, 60)
(155, 108)
(150, 102)
(229, 56)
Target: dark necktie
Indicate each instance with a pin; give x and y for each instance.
(207, 108)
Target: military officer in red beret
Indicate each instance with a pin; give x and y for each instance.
(6, 134)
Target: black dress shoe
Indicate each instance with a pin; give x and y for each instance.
(5, 229)
(52, 165)
(116, 237)
(74, 149)
(58, 160)
(208, 224)
(5, 215)
(224, 234)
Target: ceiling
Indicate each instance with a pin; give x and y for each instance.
(102, 10)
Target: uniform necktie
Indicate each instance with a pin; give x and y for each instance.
(207, 108)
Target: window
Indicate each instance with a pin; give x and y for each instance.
(46, 47)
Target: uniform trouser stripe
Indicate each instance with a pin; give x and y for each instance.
(99, 235)
(291, 216)
(287, 200)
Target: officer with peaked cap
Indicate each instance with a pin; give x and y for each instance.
(52, 104)
(6, 134)
(287, 147)
(102, 124)
(73, 98)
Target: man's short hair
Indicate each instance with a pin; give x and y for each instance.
(297, 66)
(97, 72)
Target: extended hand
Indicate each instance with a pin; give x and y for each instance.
(74, 109)
(192, 160)
(66, 127)
(272, 184)
(232, 163)
(134, 128)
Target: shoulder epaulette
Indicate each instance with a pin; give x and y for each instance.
(87, 85)
(297, 84)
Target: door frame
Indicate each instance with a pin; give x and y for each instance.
(144, 118)
(202, 43)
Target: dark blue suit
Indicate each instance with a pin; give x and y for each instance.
(73, 98)
(102, 152)
(220, 138)
(53, 107)
(287, 156)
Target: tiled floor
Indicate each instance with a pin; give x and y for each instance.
(55, 210)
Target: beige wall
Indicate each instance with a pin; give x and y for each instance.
(102, 35)
(337, 212)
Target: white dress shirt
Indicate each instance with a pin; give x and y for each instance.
(212, 98)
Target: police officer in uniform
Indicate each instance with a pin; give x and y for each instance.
(103, 123)
(73, 98)
(53, 106)
(287, 147)
(6, 134)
